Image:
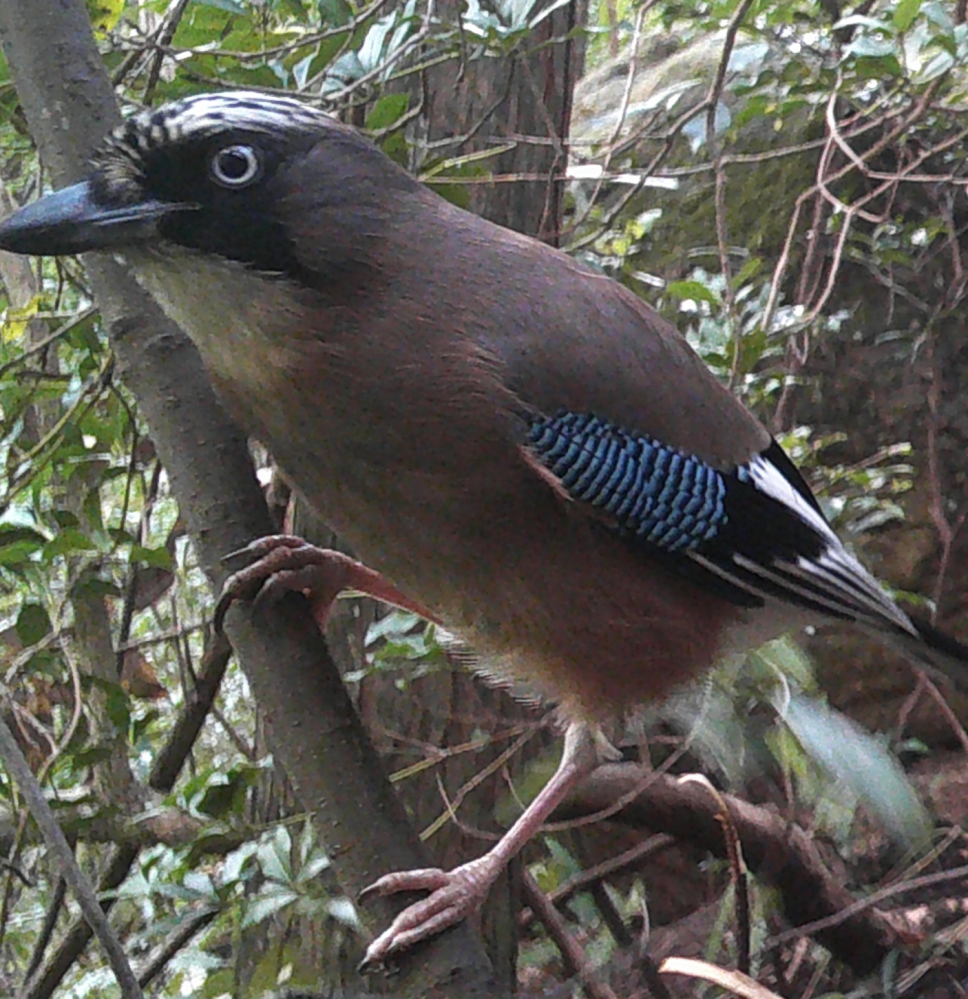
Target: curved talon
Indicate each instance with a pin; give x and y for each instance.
(249, 582)
(422, 879)
(453, 896)
(285, 563)
(265, 544)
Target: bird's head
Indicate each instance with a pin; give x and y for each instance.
(237, 175)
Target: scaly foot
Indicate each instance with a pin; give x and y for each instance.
(284, 563)
(454, 895)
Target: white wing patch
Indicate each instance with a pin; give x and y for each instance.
(770, 480)
(834, 580)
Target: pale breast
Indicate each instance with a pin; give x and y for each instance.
(230, 313)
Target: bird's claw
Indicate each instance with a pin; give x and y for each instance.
(262, 546)
(281, 563)
(453, 896)
(284, 564)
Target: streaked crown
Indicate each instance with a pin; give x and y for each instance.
(125, 152)
(262, 180)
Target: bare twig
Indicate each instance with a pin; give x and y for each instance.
(57, 843)
(573, 957)
(597, 873)
(737, 869)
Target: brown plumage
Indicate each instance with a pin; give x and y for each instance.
(513, 442)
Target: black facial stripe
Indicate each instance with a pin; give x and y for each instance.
(236, 223)
(258, 223)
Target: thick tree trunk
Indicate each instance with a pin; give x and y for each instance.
(314, 731)
(523, 100)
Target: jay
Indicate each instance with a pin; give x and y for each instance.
(512, 444)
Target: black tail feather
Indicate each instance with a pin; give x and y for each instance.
(937, 650)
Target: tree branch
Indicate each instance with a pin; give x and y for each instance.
(780, 853)
(315, 733)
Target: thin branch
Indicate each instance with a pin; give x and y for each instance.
(573, 956)
(57, 843)
(165, 34)
(162, 778)
(594, 875)
(192, 928)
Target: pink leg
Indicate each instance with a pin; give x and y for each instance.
(456, 893)
(286, 563)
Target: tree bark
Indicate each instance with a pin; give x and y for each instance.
(314, 731)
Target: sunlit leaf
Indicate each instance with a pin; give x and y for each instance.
(692, 290)
(104, 14)
(386, 111)
(269, 902)
(904, 13)
(233, 6)
(16, 320)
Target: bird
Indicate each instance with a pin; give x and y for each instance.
(512, 444)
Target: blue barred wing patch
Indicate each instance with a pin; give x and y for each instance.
(749, 533)
(651, 491)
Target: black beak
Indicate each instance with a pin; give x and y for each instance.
(71, 221)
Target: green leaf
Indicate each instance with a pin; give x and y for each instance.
(268, 904)
(117, 707)
(236, 861)
(96, 586)
(155, 558)
(33, 623)
(904, 13)
(335, 12)
(17, 544)
(200, 884)
(393, 625)
(275, 855)
(218, 800)
(387, 110)
(65, 518)
(310, 67)
(456, 194)
(872, 46)
(84, 759)
(92, 510)
(232, 6)
(693, 290)
(104, 14)
(68, 542)
(860, 21)
(749, 270)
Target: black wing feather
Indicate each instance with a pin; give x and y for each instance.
(748, 533)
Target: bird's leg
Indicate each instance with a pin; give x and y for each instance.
(285, 563)
(457, 893)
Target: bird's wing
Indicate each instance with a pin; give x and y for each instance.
(630, 425)
(753, 532)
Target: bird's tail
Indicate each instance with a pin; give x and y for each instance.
(934, 650)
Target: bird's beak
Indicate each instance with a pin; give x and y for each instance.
(71, 221)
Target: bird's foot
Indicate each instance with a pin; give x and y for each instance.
(453, 896)
(283, 563)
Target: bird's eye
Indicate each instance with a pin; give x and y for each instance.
(236, 166)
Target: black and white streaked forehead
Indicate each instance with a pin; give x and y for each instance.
(208, 114)
(193, 118)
